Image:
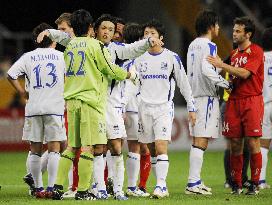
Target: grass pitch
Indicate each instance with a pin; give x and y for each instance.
(14, 191)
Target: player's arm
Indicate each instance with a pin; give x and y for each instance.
(236, 71)
(58, 36)
(105, 65)
(133, 50)
(185, 88)
(16, 70)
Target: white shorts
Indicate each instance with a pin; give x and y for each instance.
(44, 128)
(155, 122)
(267, 121)
(115, 123)
(207, 118)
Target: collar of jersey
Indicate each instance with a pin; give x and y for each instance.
(155, 54)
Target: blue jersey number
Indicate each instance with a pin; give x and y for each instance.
(80, 70)
(52, 73)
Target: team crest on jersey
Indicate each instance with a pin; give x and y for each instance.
(164, 65)
(143, 67)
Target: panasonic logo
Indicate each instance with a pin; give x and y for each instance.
(154, 76)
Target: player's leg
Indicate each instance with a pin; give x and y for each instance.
(118, 168)
(252, 123)
(232, 130)
(99, 166)
(265, 143)
(145, 166)
(67, 157)
(33, 132)
(227, 165)
(207, 126)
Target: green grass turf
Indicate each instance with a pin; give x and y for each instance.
(14, 191)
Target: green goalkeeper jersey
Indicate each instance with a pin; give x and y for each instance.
(88, 70)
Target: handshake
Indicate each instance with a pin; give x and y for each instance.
(134, 75)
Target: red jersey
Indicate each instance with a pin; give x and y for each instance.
(252, 59)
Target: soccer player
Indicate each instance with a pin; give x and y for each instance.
(118, 33)
(44, 70)
(267, 93)
(133, 32)
(159, 70)
(64, 24)
(205, 81)
(244, 109)
(88, 70)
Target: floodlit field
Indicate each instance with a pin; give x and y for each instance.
(14, 191)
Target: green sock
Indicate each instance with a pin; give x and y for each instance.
(85, 170)
(65, 163)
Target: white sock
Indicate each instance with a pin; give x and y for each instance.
(153, 165)
(196, 160)
(27, 163)
(44, 161)
(118, 173)
(35, 169)
(98, 172)
(264, 152)
(52, 167)
(162, 169)
(109, 164)
(71, 178)
(133, 168)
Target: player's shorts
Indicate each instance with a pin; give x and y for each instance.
(207, 118)
(115, 123)
(155, 122)
(243, 117)
(85, 124)
(267, 121)
(44, 128)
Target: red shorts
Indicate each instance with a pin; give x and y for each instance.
(243, 117)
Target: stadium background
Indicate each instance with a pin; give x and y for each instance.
(18, 18)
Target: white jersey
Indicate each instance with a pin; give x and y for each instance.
(203, 77)
(158, 75)
(44, 70)
(267, 86)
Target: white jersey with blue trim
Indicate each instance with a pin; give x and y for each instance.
(158, 75)
(121, 52)
(267, 85)
(203, 77)
(44, 72)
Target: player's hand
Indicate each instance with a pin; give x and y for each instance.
(230, 87)
(192, 118)
(42, 35)
(215, 61)
(155, 42)
(134, 75)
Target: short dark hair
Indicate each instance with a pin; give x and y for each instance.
(267, 39)
(46, 42)
(104, 17)
(120, 20)
(64, 17)
(132, 32)
(154, 23)
(81, 20)
(247, 22)
(204, 21)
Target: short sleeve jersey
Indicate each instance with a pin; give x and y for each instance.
(44, 73)
(251, 59)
